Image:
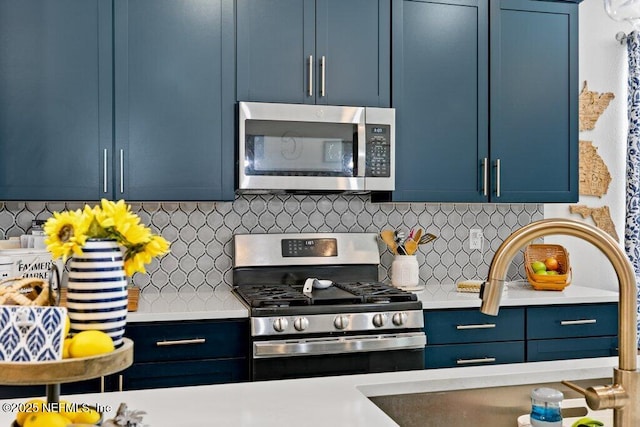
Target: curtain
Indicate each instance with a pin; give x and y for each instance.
(632, 226)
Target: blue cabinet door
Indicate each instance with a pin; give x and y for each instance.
(465, 134)
(55, 99)
(475, 354)
(174, 101)
(314, 52)
(353, 52)
(276, 51)
(534, 101)
(440, 92)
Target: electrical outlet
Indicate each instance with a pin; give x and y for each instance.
(475, 238)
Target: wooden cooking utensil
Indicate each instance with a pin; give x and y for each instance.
(410, 246)
(388, 236)
(418, 235)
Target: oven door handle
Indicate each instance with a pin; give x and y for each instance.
(337, 345)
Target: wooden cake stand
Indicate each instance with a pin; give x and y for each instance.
(53, 373)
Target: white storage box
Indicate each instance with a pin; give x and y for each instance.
(25, 263)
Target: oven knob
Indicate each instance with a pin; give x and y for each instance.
(379, 320)
(399, 319)
(341, 322)
(280, 324)
(301, 323)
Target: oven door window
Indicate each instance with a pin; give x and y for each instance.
(275, 148)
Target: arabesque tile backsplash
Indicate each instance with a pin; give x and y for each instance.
(200, 233)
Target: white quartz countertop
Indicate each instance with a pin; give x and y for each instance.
(328, 401)
(517, 294)
(218, 303)
(221, 303)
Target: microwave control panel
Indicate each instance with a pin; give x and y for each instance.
(378, 151)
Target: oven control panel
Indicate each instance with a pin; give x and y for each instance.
(323, 247)
(327, 323)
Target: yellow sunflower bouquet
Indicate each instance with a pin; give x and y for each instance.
(68, 231)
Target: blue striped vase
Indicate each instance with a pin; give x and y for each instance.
(97, 289)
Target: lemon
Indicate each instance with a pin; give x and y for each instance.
(46, 419)
(33, 406)
(88, 416)
(67, 325)
(90, 343)
(67, 410)
(65, 348)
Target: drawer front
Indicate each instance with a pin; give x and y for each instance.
(467, 326)
(572, 321)
(574, 348)
(450, 356)
(163, 341)
(184, 373)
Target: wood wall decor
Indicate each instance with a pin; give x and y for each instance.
(594, 176)
(592, 105)
(601, 217)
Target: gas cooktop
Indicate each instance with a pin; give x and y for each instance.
(337, 294)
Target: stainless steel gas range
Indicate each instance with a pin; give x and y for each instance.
(317, 307)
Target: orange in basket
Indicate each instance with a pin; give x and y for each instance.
(543, 282)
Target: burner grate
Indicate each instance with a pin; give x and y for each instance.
(377, 292)
(272, 296)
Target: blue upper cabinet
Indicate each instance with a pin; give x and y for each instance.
(174, 100)
(314, 51)
(440, 92)
(117, 99)
(534, 101)
(55, 98)
(481, 89)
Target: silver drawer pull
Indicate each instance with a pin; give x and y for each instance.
(481, 326)
(181, 342)
(577, 322)
(469, 361)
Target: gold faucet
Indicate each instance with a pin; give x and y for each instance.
(624, 396)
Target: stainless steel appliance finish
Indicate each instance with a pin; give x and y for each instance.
(337, 345)
(315, 148)
(348, 322)
(365, 325)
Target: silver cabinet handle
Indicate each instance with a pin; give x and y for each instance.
(102, 384)
(480, 326)
(310, 75)
(120, 382)
(121, 170)
(104, 170)
(181, 342)
(323, 70)
(485, 177)
(577, 322)
(469, 361)
(497, 177)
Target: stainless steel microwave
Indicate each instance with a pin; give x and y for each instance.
(315, 148)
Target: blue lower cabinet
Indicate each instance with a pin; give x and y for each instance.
(182, 340)
(470, 325)
(572, 321)
(184, 373)
(95, 385)
(575, 348)
(186, 353)
(450, 356)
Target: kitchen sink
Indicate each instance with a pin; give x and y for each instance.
(491, 406)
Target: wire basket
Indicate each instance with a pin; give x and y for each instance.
(542, 282)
